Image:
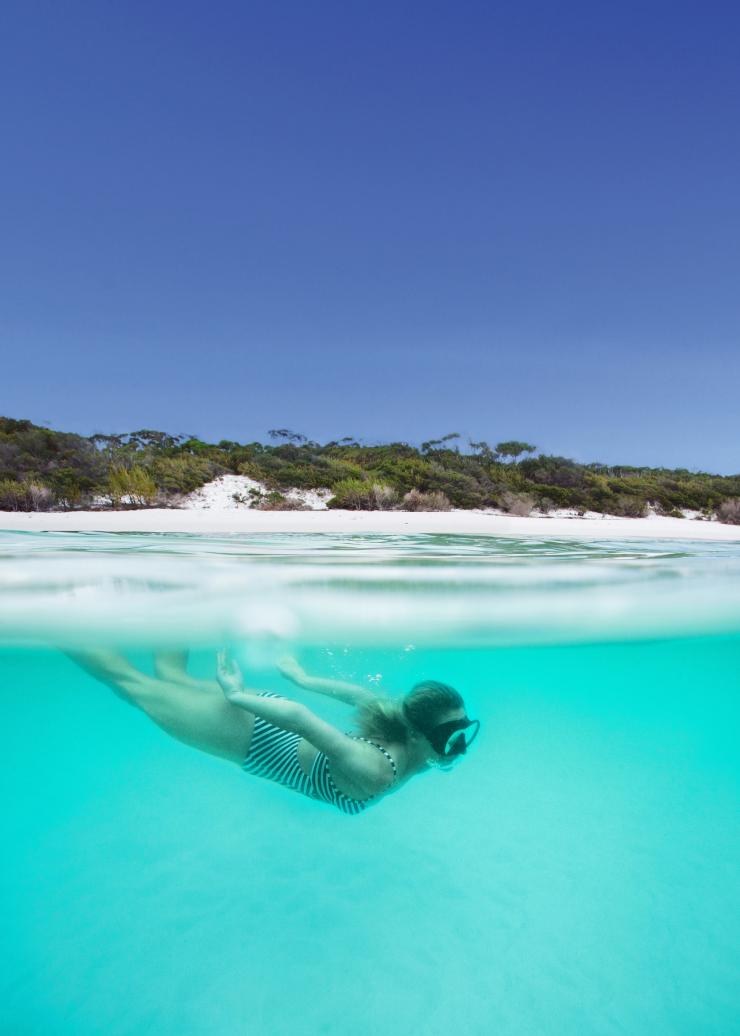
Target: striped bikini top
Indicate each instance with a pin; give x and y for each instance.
(273, 753)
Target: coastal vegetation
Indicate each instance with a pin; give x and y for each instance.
(41, 469)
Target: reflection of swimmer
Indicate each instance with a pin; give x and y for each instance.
(285, 741)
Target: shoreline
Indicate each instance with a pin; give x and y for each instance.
(453, 523)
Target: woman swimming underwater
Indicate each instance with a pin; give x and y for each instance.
(283, 740)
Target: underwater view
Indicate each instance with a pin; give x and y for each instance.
(577, 872)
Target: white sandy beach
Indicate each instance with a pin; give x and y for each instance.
(222, 506)
(466, 523)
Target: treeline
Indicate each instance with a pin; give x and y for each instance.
(42, 469)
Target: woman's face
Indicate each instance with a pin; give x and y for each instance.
(441, 762)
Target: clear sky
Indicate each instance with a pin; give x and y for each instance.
(389, 220)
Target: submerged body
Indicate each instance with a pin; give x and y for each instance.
(284, 741)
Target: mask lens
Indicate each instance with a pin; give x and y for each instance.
(455, 744)
(460, 740)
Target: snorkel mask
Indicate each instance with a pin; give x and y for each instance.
(452, 740)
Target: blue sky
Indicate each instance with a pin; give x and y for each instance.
(388, 220)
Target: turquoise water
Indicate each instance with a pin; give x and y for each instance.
(578, 873)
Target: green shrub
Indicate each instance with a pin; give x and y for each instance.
(461, 489)
(25, 496)
(414, 500)
(134, 483)
(519, 504)
(308, 471)
(183, 474)
(71, 487)
(729, 511)
(553, 471)
(667, 510)
(252, 469)
(275, 501)
(550, 498)
(355, 495)
(402, 473)
(626, 507)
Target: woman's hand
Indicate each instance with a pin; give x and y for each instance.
(229, 675)
(291, 669)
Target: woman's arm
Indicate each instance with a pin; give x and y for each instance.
(349, 693)
(284, 713)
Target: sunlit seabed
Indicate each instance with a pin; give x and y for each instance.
(577, 874)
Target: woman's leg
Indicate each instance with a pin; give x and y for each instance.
(172, 666)
(198, 715)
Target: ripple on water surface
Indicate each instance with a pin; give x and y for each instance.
(146, 588)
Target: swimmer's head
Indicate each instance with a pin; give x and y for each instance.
(436, 712)
(430, 703)
(432, 714)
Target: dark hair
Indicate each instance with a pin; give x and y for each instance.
(418, 712)
(383, 718)
(424, 703)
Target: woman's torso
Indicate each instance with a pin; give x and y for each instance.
(291, 760)
(343, 778)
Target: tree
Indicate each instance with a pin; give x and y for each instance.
(150, 437)
(195, 445)
(107, 443)
(481, 447)
(285, 433)
(426, 447)
(513, 448)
